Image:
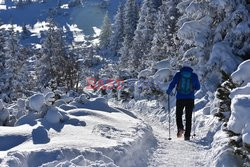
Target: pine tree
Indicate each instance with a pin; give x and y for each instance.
(105, 33)
(57, 66)
(157, 3)
(2, 58)
(118, 32)
(52, 62)
(72, 69)
(143, 36)
(15, 68)
(164, 39)
(130, 23)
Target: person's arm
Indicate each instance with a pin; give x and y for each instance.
(173, 83)
(197, 85)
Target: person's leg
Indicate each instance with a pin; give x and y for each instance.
(189, 105)
(179, 113)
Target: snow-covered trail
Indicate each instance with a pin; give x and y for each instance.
(176, 152)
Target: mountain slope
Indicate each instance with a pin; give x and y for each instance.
(80, 18)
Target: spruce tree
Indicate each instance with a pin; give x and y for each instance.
(53, 57)
(2, 58)
(15, 67)
(105, 33)
(143, 36)
(117, 33)
(130, 23)
(163, 45)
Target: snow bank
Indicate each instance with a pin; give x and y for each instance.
(95, 134)
(240, 91)
(222, 154)
(239, 120)
(239, 76)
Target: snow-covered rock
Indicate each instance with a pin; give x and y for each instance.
(83, 99)
(59, 102)
(40, 135)
(50, 98)
(36, 102)
(21, 103)
(29, 119)
(67, 99)
(145, 73)
(53, 115)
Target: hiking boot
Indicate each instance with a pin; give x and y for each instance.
(187, 138)
(180, 133)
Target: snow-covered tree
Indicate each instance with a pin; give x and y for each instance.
(130, 22)
(143, 36)
(72, 71)
(54, 56)
(214, 33)
(157, 3)
(15, 73)
(117, 32)
(2, 58)
(2, 49)
(164, 41)
(105, 33)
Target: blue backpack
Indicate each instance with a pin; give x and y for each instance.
(185, 83)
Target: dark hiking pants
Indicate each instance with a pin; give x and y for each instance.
(188, 104)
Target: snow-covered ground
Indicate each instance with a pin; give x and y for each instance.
(87, 132)
(43, 130)
(92, 134)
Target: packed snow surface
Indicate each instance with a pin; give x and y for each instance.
(91, 134)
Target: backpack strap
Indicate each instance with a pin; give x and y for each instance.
(179, 83)
(191, 82)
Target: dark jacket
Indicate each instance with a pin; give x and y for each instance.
(174, 82)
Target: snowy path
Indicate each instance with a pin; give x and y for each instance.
(177, 152)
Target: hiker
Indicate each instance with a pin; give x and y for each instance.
(186, 83)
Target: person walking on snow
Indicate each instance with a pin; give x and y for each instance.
(186, 83)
